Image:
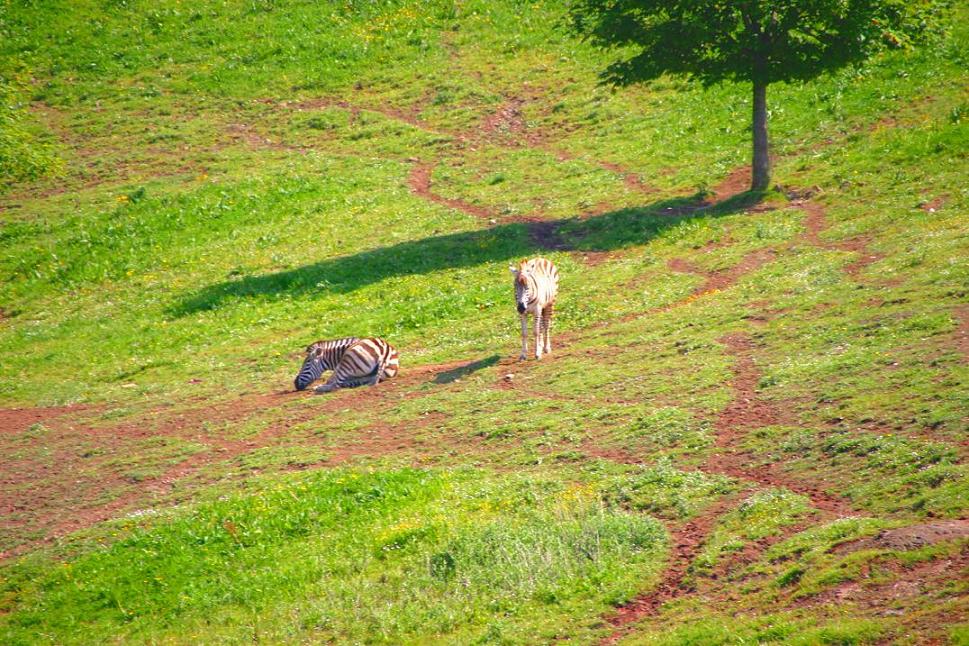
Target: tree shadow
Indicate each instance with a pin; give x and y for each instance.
(604, 232)
(454, 374)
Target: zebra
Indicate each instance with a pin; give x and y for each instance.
(536, 286)
(354, 362)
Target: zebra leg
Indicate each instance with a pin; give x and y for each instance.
(547, 323)
(329, 386)
(539, 344)
(524, 354)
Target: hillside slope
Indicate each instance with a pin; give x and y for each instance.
(752, 427)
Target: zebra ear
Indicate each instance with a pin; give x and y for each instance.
(512, 269)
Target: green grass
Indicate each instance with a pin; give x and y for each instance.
(435, 552)
(198, 192)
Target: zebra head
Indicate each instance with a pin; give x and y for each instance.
(313, 367)
(524, 286)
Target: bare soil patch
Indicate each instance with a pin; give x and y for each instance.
(934, 204)
(18, 420)
(816, 222)
(543, 233)
(409, 116)
(719, 280)
(508, 122)
(903, 595)
(747, 410)
(912, 537)
(736, 182)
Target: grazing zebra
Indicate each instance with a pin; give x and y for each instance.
(536, 285)
(354, 362)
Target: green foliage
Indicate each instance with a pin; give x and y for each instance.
(761, 42)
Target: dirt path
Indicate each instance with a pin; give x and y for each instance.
(420, 185)
(816, 223)
(747, 411)
(686, 541)
(380, 439)
(543, 233)
(719, 280)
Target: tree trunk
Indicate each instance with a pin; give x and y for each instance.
(760, 171)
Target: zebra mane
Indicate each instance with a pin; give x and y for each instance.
(327, 344)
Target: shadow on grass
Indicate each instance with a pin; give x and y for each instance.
(454, 374)
(604, 232)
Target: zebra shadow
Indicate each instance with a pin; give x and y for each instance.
(452, 375)
(502, 242)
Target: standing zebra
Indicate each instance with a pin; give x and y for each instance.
(354, 362)
(536, 285)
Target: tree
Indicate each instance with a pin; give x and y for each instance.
(755, 41)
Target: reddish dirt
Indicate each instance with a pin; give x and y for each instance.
(420, 184)
(409, 116)
(887, 587)
(686, 540)
(507, 119)
(18, 420)
(722, 279)
(241, 132)
(747, 411)
(816, 222)
(912, 537)
(733, 563)
(543, 233)
(736, 182)
(933, 205)
(185, 424)
(632, 180)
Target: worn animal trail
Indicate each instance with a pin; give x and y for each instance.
(420, 184)
(816, 223)
(544, 234)
(686, 542)
(747, 411)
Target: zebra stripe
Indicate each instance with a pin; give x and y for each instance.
(536, 286)
(354, 362)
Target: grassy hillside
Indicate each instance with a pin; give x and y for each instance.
(752, 427)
